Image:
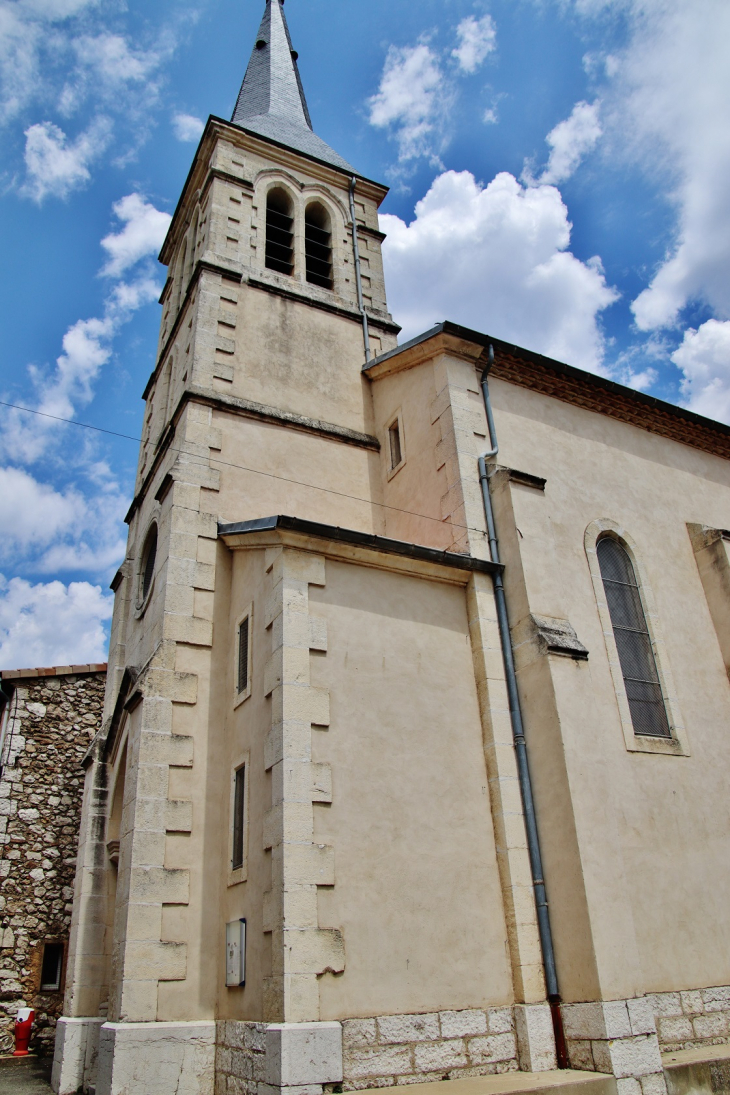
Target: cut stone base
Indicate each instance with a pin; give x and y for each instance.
(617, 1037)
(156, 1059)
(535, 1038)
(75, 1055)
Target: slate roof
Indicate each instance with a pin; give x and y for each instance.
(271, 101)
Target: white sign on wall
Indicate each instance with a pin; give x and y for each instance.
(236, 954)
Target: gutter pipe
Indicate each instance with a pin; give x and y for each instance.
(358, 271)
(518, 734)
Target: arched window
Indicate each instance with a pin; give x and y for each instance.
(279, 232)
(149, 558)
(318, 245)
(633, 641)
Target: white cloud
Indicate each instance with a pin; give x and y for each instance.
(477, 39)
(56, 167)
(52, 624)
(570, 141)
(666, 106)
(495, 259)
(144, 231)
(412, 94)
(704, 358)
(187, 127)
(39, 513)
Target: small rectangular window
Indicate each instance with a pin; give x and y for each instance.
(51, 968)
(243, 643)
(396, 449)
(238, 818)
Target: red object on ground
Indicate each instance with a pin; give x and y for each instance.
(23, 1026)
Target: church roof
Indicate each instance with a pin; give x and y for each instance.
(271, 101)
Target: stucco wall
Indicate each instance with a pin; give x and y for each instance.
(652, 830)
(416, 892)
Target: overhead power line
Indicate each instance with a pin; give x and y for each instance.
(241, 467)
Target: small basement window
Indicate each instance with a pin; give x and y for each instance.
(52, 967)
(318, 245)
(239, 806)
(279, 232)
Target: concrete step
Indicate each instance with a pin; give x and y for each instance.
(563, 1082)
(704, 1071)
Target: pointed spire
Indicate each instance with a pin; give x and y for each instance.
(271, 101)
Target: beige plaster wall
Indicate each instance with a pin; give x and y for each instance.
(238, 731)
(412, 496)
(295, 473)
(416, 891)
(652, 830)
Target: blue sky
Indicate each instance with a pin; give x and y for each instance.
(559, 177)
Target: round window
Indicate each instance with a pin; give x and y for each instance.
(149, 556)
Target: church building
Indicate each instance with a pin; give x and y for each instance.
(416, 738)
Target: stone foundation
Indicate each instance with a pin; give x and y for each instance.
(269, 1058)
(689, 1020)
(412, 1049)
(617, 1037)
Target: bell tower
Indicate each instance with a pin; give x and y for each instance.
(257, 405)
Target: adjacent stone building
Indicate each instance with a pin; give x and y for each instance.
(49, 718)
(415, 747)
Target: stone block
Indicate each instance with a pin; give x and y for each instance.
(583, 1021)
(535, 1038)
(147, 1058)
(692, 1002)
(655, 1084)
(494, 1047)
(393, 1029)
(641, 1016)
(160, 885)
(462, 1024)
(440, 1056)
(580, 1054)
(178, 816)
(638, 1056)
(710, 1026)
(303, 1053)
(393, 1060)
(665, 1003)
(359, 1032)
(500, 1019)
(77, 1042)
(674, 1029)
(716, 999)
(628, 1086)
(155, 960)
(616, 1019)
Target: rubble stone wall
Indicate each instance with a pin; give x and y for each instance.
(51, 718)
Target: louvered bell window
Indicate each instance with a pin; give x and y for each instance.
(633, 641)
(318, 246)
(279, 233)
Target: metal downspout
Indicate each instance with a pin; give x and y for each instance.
(518, 733)
(358, 273)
